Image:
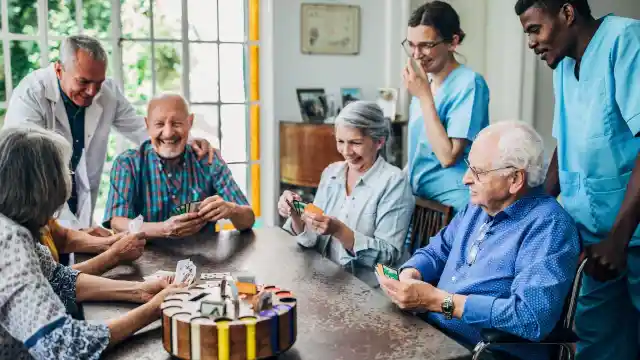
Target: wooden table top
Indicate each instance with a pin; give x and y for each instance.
(339, 316)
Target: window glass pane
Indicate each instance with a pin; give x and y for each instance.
(54, 54)
(203, 16)
(167, 18)
(3, 95)
(234, 132)
(136, 68)
(135, 19)
(62, 18)
(23, 17)
(168, 67)
(232, 73)
(203, 72)
(96, 16)
(206, 123)
(25, 57)
(232, 20)
(241, 176)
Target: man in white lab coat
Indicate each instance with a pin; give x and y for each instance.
(75, 98)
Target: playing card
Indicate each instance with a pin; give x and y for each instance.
(194, 206)
(214, 276)
(181, 271)
(299, 206)
(136, 224)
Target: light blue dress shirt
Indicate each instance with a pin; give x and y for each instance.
(522, 272)
(378, 211)
(462, 103)
(596, 119)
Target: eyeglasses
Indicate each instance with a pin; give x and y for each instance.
(476, 173)
(426, 45)
(475, 247)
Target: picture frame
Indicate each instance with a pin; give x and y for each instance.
(350, 94)
(330, 29)
(313, 104)
(387, 99)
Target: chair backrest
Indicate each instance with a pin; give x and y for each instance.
(569, 311)
(428, 218)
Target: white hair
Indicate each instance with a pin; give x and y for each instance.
(520, 146)
(369, 118)
(71, 44)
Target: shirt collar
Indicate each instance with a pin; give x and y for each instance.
(183, 158)
(521, 206)
(67, 100)
(368, 177)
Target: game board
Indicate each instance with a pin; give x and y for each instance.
(222, 318)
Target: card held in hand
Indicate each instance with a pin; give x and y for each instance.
(135, 225)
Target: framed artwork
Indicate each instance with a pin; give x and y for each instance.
(350, 94)
(313, 104)
(387, 99)
(330, 29)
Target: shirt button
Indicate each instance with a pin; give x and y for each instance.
(173, 196)
(169, 175)
(453, 279)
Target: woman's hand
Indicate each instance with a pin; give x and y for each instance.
(417, 84)
(150, 288)
(321, 224)
(283, 207)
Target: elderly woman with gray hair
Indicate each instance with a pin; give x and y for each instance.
(34, 289)
(366, 202)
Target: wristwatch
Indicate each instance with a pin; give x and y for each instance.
(448, 307)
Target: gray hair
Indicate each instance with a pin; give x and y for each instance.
(71, 44)
(35, 176)
(369, 118)
(521, 147)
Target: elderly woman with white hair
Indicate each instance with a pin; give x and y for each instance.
(507, 260)
(366, 203)
(34, 289)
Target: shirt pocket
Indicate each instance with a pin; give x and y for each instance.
(571, 197)
(605, 198)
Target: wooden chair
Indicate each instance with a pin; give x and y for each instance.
(428, 218)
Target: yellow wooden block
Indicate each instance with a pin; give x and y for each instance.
(247, 288)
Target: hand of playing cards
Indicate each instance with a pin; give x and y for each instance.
(186, 208)
(185, 272)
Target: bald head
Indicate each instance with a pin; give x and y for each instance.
(174, 101)
(168, 123)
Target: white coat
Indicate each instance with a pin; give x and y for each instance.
(37, 101)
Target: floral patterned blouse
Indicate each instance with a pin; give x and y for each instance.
(34, 293)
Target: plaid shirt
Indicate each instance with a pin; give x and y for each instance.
(166, 187)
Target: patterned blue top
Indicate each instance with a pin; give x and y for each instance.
(522, 272)
(35, 293)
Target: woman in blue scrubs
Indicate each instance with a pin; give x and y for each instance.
(596, 166)
(450, 105)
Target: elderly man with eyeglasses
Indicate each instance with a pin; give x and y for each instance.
(506, 261)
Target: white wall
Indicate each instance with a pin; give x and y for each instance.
(377, 64)
(543, 75)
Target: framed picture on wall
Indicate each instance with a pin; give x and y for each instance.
(350, 94)
(313, 104)
(330, 29)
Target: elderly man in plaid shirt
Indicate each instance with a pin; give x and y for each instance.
(163, 174)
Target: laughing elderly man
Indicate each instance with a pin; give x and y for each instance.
(165, 173)
(507, 260)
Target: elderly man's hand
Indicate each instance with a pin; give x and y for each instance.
(203, 148)
(183, 225)
(607, 259)
(409, 293)
(215, 208)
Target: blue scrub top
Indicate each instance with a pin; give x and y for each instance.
(462, 103)
(595, 122)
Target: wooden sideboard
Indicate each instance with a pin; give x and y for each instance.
(305, 151)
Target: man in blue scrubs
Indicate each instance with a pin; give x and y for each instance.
(596, 167)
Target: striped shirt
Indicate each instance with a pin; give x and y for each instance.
(166, 186)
